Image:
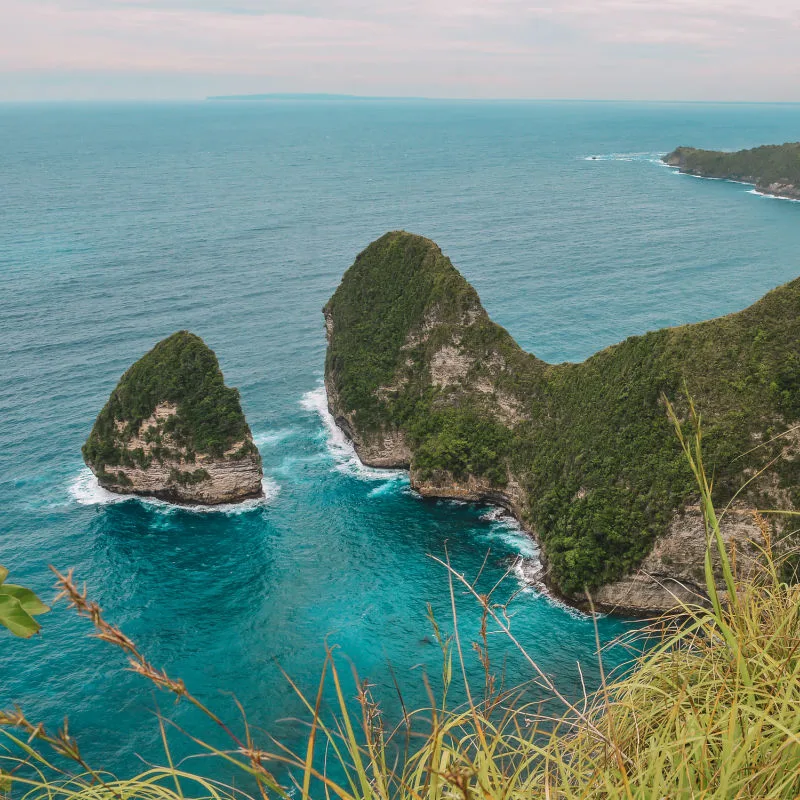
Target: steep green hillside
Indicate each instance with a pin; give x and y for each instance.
(180, 371)
(772, 168)
(587, 447)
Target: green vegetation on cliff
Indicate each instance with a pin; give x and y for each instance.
(766, 166)
(180, 371)
(589, 445)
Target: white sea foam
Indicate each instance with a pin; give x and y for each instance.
(527, 567)
(497, 514)
(700, 177)
(649, 156)
(273, 437)
(384, 488)
(528, 572)
(338, 444)
(87, 491)
(505, 528)
(341, 449)
(741, 183)
(534, 585)
(773, 196)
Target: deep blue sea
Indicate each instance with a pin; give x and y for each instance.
(120, 224)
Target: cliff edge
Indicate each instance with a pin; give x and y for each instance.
(418, 376)
(173, 430)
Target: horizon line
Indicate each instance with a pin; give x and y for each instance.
(263, 96)
(345, 97)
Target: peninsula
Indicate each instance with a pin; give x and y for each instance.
(173, 430)
(418, 376)
(772, 169)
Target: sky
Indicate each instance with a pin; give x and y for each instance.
(726, 50)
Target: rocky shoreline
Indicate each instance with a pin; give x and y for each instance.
(679, 159)
(670, 575)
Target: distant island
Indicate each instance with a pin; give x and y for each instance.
(419, 376)
(173, 430)
(301, 96)
(772, 169)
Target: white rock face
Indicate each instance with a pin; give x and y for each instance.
(385, 450)
(205, 480)
(673, 572)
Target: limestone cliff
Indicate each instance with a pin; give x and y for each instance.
(583, 455)
(172, 430)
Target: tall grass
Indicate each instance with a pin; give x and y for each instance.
(711, 710)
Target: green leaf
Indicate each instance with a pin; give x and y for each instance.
(26, 598)
(3, 573)
(14, 617)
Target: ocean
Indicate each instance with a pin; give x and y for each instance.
(122, 223)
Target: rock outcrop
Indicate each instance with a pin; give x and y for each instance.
(673, 571)
(173, 430)
(583, 455)
(772, 169)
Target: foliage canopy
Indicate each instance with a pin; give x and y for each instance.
(182, 371)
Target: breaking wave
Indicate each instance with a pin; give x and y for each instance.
(527, 566)
(773, 196)
(653, 158)
(86, 490)
(341, 449)
(505, 528)
(273, 437)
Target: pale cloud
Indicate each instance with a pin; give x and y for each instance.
(725, 49)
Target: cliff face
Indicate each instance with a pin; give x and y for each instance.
(582, 454)
(772, 169)
(172, 430)
(673, 570)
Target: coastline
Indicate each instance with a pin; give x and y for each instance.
(534, 577)
(86, 490)
(757, 189)
(471, 492)
(775, 190)
(529, 569)
(665, 580)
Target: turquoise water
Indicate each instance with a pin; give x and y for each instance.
(121, 224)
